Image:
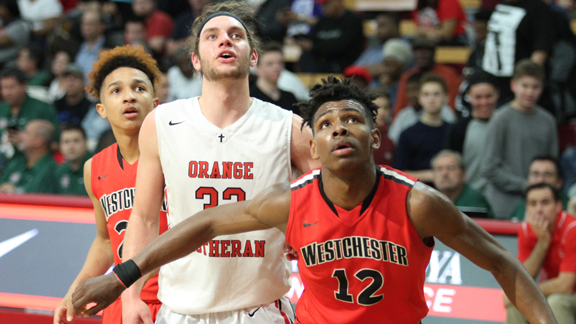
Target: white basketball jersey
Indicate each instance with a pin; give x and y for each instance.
(205, 166)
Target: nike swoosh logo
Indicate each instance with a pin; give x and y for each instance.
(102, 177)
(308, 225)
(254, 312)
(12, 243)
(172, 124)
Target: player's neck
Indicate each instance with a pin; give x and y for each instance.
(128, 145)
(349, 188)
(223, 102)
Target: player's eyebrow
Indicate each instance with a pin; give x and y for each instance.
(331, 111)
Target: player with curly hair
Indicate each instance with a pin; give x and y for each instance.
(124, 80)
(364, 233)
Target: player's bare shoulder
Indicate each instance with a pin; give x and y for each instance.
(431, 212)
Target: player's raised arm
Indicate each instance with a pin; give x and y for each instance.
(268, 209)
(434, 215)
(99, 257)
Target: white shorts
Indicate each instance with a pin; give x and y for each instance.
(278, 312)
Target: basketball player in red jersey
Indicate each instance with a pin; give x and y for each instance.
(350, 221)
(123, 79)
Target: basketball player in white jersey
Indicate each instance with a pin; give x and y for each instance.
(221, 147)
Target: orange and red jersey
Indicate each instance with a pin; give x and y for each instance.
(366, 265)
(113, 182)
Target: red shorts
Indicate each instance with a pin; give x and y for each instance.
(113, 313)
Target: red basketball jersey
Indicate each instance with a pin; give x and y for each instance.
(113, 181)
(366, 265)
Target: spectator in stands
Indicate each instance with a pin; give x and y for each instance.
(30, 60)
(545, 247)
(441, 20)
(70, 175)
(544, 168)
(518, 131)
(92, 28)
(18, 108)
(159, 25)
(43, 14)
(420, 142)
(58, 66)
(360, 76)
(518, 29)
(183, 25)
(450, 179)
(16, 32)
(424, 51)
(411, 114)
(32, 172)
(73, 107)
(290, 82)
(384, 154)
(184, 83)
(270, 65)
(134, 28)
(163, 89)
(468, 135)
(272, 23)
(303, 15)
(387, 28)
(336, 41)
(480, 27)
(397, 55)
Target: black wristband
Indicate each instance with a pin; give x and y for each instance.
(128, 273)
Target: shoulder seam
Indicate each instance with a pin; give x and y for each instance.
(305, 180)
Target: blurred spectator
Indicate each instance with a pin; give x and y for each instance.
(518, 131)
(59, 63)
(384, 154)
(397, 55)
(70, 175)
(43, 14)
(15, 32)
(449, 178)
(424, 51)
(290, 82)
(30, 60)
(360, 76)
(303, 16)
(336, 41)
(183, 25)
(543, 169)
(441, 20)
(159, 25)
(34, 171)
(95, 126)
(387, 28)
(517, 29)
(92, 29)
(270, 65)
(545, 248)
(184, 83)
(134, 28)
(411, 114)
(271, 20)
(73, 107)
(420, 142)
(480, 27)
(468, 135)
(18, 108)
(163, 89)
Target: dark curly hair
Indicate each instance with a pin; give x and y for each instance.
(122, 56)
(335, 89)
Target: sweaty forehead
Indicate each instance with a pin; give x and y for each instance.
(335, 106)
(222, 22)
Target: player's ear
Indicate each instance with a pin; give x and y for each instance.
(101, 111)
(155, 102)
(196, 62)
(253, 58)
(313, 150)
(376, 138)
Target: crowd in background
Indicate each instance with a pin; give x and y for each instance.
(479, 132)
